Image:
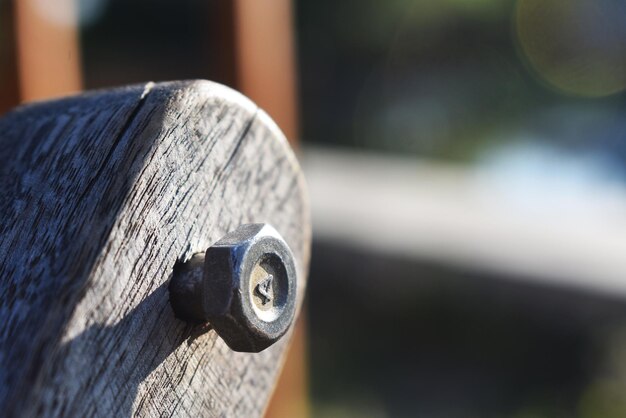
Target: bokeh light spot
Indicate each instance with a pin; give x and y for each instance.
(577, 46)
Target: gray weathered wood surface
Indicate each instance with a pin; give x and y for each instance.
(100, 195)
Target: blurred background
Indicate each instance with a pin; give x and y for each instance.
(467, 169)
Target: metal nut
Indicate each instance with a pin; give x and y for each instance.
(244, 285)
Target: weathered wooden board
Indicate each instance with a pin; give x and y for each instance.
(100, 195)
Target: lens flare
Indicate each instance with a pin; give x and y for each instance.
(577, 46)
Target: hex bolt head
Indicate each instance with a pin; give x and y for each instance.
(244, 285)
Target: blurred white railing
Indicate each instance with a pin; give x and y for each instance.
(470, 218)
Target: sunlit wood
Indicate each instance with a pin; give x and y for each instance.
(133, 180)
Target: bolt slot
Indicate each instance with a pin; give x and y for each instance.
(269, 287)
(264, 289)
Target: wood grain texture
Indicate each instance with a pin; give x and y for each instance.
(100, 195)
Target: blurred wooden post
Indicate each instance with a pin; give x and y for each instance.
(265, 72)
(48, 54)
(264, 47)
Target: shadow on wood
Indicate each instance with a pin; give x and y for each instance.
(123, 369)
